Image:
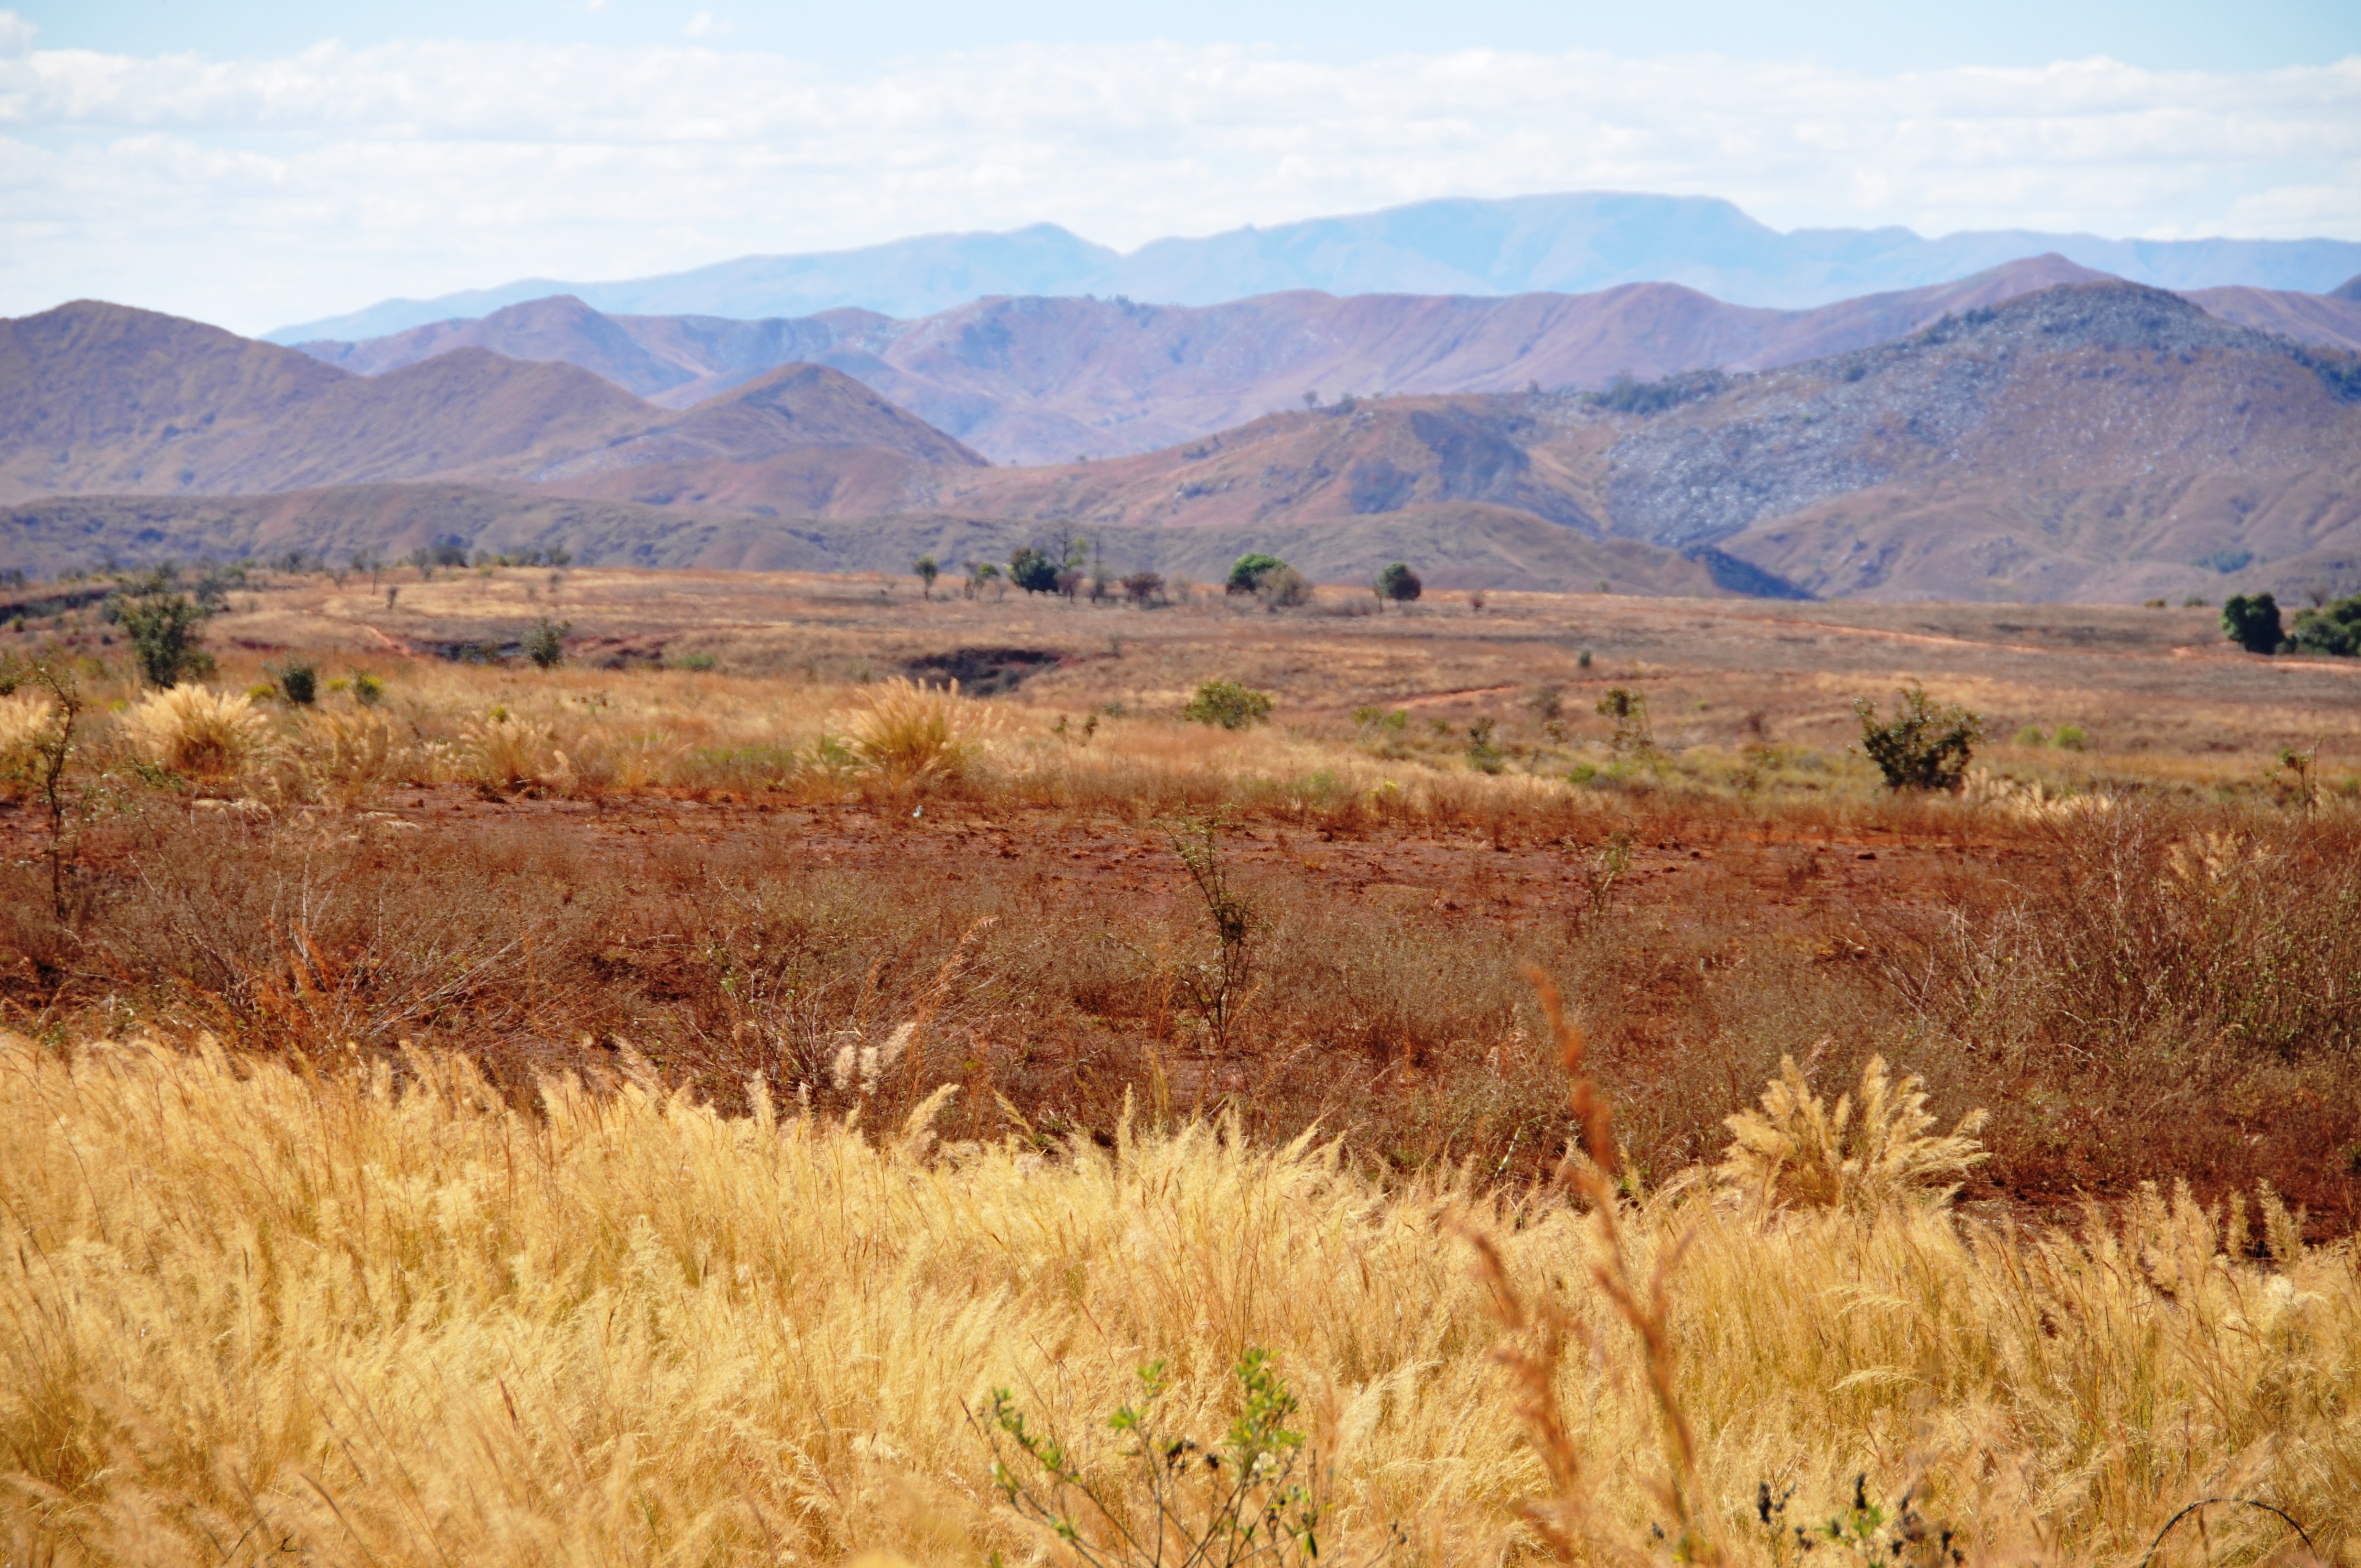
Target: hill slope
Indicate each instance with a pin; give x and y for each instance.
(1040, 380)
(102, 399)
(1575, 243)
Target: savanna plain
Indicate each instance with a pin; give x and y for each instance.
(1490, 1079)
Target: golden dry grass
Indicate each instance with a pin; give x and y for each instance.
(288, 1313)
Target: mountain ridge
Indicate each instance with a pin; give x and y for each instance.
(1575, 242)
(2101, 440)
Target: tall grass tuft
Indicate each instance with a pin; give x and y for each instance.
(911, 735)
(194, 731)
(24, 718)
(1798, 1151)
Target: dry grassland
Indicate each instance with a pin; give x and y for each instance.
(576, 1186)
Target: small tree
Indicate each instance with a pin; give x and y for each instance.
(1143, 588)
(2253, 623)
(1627, 710)
(1400, 584)
(1248, 572)
(2333, 629)
(167, 634)
(1229, 704)
(1922, 746)
(928, 569)
(1033, 570)
(545, 643)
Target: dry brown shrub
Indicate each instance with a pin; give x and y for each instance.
(912, 735)
(194, 730)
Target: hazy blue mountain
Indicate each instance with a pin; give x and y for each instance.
(1566, 244)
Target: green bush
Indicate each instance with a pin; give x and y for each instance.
(1247, 571)
(1923, 746)
(2253, 623)
(2334, 630)
(1400, 584)
(1227, 704)
(545, 643)
(167, 635)
(1251, 1497)
(297, 683)
(1033, 570)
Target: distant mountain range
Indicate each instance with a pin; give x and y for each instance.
(1578, 243)
(2009, 436)
(1048, 381)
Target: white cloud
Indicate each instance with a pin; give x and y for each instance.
(258, 191)
(704, 24)
(15, 35)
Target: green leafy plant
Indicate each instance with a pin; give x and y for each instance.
(545, 643)
(1398, 583)
(1483, 755)
(1228, 703)
(928, 569)
(2333, 629)
(298, 682)
(1035, 571)
(1247, 571)
(2253, 623)
(1924, 746)
(1252, 1497)
(167, 635)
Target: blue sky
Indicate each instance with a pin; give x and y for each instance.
(262, 163)
(2162, 35)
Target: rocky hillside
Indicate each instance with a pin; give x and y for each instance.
(97, 398)
(1036, 380)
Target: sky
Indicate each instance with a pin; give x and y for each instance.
(256, 163)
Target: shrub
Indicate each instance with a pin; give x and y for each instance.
(910, 734)
(500, 752)
(1923, 746)
(1398, 583)
(928, 569)
(1283, 587)
(191, 730)
(545, 643)
(367, 690)
(1247, 571)
(1253, 1497)
(167, 634)
(2070, 738)
(1033, 570)
(1228, 703)
(1143, 588)
(1627, 710)
(342, 757)
(2253, 623)
(299, 683)
(2333, 629)
(1794, 1150)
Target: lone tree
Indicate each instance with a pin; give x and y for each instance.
(166, 631)
(2253, 623)
(1033, 570)
(1249, 571)
(928, 569)
(545, 643)
(1923, 746)
(1400, 584)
